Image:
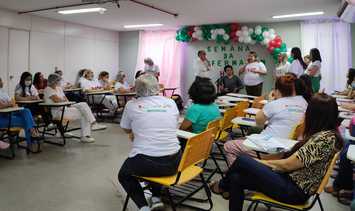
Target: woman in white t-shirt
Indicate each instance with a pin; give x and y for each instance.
(25, 90)
(314, 69)
(298, 66)
(80, 111)
(151, 121)
(282, 66)
(89, 84)
(253, 75)
(122, 85)
(282, 115)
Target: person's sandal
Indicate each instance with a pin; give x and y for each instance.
(214, 187)
(331, 190)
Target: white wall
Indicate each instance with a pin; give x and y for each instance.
(52, 43)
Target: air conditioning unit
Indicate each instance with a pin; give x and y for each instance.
(347, 11)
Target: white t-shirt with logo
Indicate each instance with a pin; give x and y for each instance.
(283, 115)
(119, 85)
(86, 84)
(251, 78)
(153, 121)
(28, 91)
(296, 68)
(48, 93)
(282, 69)
(4, 96)
(316, 64)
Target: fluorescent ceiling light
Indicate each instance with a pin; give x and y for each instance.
(142, 25)
(84, 10)
(297, 15)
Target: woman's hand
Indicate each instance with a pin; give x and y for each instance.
(131, 136)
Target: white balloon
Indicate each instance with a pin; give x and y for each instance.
(248, 39)
(221, 31)
(251, 30)
(199, 33)
(244, 28)
(241, 39)
(214, 36)
(258, 27)
(272, 31)
(245, 33)
(266, 41)
(238, 33)
(194, 35)
(200, 37)
(272, 36)
(266, 34)
(226, 37)
(258, 31)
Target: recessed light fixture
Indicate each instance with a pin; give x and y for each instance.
(298, 15)
(84, 10)
(142, 25)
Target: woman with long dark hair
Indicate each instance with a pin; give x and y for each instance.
(298, 66)
(40, 83)
(25, 89)
(314, 69)
(297, 176)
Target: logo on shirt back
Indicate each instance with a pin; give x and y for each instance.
(154, 108)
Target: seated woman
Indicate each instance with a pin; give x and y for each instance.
(203, 109)
(294, 179)
(80, 111)
(72, 96)
(350, 84)
(122, 85)
(40, 83)
(151, 121)
(25, 90)
(89, 84)
(104, 80)
(229, 83)
(282, 114)
(22, 118)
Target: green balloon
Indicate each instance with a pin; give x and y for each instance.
(253, 36)
(264, 28)
(259, 38)
(290, 59)
(277, 51)
(283, 47)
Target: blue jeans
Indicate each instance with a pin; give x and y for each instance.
(22, 119)
(248, 174)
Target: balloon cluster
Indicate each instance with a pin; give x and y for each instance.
(225, 33)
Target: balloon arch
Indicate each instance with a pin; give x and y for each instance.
(234, 33)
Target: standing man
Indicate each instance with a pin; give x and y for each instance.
(253, 74)
(151, 68)
(203, 67)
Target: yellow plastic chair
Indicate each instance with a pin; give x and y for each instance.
(259, 198)
(197, 150)
(297, 131)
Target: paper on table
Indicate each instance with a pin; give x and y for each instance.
(271, 144)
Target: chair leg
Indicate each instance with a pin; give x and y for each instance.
(219, 170)
(222, 153)
(250, 206)
(320, 204)
(208, 191)
(171, 201)
(125, 203)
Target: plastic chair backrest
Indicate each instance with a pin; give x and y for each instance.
(256, 102)
(214, 124)
(327, 174)
(240, 107)
(197, 149)
(297, 131)
(227, 118)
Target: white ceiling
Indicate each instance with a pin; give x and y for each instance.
(190, 12)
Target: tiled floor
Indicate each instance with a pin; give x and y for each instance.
(78, 177)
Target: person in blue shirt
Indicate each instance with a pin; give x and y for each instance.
(203, 109)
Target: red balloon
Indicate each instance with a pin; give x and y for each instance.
(278, 38)
(271, 49)
(234, 27)
(278, 43)
(194, 39)
(190, 33)
(232, 35)
(272, 43)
